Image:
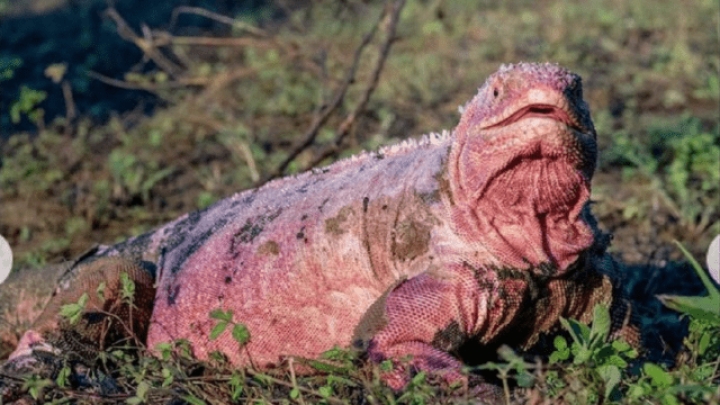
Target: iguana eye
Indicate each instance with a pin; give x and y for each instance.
(495, 92)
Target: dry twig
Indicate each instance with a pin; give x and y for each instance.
(146, 44)
(346, 125)
(153, 88)
(217, 17)
(391, 12)
(163, 38)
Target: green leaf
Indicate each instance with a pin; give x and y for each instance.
(559, 356)
(241, 334)
(101, 290)
(140, 394)
(713, 297)
(236, 383)
(218, 329)
(636, 391)
(525, 379)
(63, 378)
(237, 386)
(562, 351)
(262, 378)
(603, 354)
(128, 287)
(167, 377)
(326, 367)
(600, 324)
(335, 380)
(221, 315)
(165, 350)
(579, 332)
(616, 360)
(325, 391)
(193, 400)
(339, 354)
(610, 376)
(704, 343)
(703, 308)
(26, 104)
(583, 331)
(669, 399)
(621, 346)
(582, 355)
(659, 377)
(74, 311)
(419, 378)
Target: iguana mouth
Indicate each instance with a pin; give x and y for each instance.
(542, 111)
(540, 163)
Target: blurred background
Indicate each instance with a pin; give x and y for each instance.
(117, 116)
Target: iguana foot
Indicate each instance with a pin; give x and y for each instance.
(113, 299)
(14, 373)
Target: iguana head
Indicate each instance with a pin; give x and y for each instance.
(521, 165)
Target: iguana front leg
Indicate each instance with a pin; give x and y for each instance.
(424, 321)
(428, 317)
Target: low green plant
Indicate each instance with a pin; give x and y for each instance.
(29, 166)
(240, 332)
(706, 308)
(8, 65)
(35, 385)
(28, 104)
(135, 178)
(603, 360)
(682, 162)
(702, 345)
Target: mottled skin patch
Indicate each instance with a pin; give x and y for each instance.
(483, 235)
(449, 339)
(254, 227)
(269, 248)
(411, 239)
(337, 224)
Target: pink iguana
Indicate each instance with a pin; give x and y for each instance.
(482, 234)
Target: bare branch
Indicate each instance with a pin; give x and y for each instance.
(146, 45)
(216, 17)
(221, 81)
(192, 81)
(346, 125)
(324, 115)
(164, 38)
(70, 111)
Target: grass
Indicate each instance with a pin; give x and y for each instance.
(588, 365)
(232, 114)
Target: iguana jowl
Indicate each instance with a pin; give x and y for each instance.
(483, 234)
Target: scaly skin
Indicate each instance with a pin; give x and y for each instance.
(481, 235)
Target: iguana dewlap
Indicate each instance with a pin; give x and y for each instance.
(481, 234)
